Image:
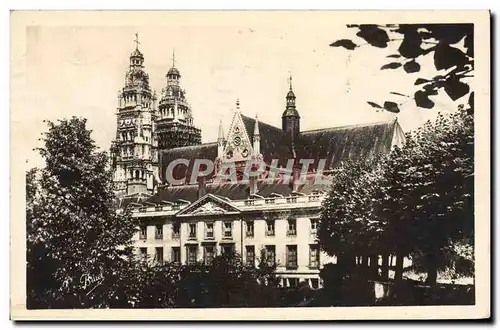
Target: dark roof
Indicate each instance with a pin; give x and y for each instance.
(200, 151)
(273, 140)
(337, 144)
(233, 191)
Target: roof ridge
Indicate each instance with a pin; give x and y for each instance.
(260, 122)
(192, 146)
(391, 121)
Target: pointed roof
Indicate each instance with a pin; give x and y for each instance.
(221, 131)
(256, 126)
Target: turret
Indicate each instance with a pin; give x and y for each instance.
(291, 118)
(256, 137)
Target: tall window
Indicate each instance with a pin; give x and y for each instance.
(227, 248)
(293, 282)
(144, 232)
(270, 255)
(209, 230)
(314, 256)
(250, 257)
(143, 252)
(228, 229)
(159, 232)
(192, 230)
(159, 254)
(270, 228)
(192, 250)
(176, 228)
(176, 254)
(209, 254)
(291, 256)
(314, 226)
(292, 227)
(249, 231)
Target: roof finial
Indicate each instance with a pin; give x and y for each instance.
(173, 58)
(290, 80)
(238, 104)
(256, 131)
(221, 131)
(136, 40)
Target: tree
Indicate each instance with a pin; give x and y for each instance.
(73, 230)
(442, 41)
(349, 227)
(418, 202)
(437, 183)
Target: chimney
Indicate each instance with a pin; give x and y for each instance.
(202, 187)
(253, 184)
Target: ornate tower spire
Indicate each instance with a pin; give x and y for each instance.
(291, 118)
(174, 124)
(135, 149)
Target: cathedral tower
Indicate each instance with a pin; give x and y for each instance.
(134, 152)
(290, 118)
(174, 123)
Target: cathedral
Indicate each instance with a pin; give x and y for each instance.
(188, 222)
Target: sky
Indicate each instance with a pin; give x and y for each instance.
(78, 71)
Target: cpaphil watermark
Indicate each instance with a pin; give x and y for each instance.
(297, 171)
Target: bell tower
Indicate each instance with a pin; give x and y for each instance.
(174, 123)
(134, 152)
(291, 118)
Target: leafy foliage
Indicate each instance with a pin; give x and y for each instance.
(416, 202)
(442, 41)
(74, 236)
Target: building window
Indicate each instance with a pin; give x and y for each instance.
(270, 228)
(250, 258)
(291, 256)
(228, 229)
(209, 230)
(159, 255)
(293, 282)
(270, 255)
(209, 253)
(143, 253)
(176, 254)
(314, 226)
(144, 233)
(192, 231)
(176, 228)
(249, 231)
(191, 254)
(314, 256)
(292, 227)
(227, 248)
(159, 232)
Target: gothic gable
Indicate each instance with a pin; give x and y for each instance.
(209, 205)
(238, 146)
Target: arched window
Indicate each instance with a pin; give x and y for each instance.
(137, 174)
